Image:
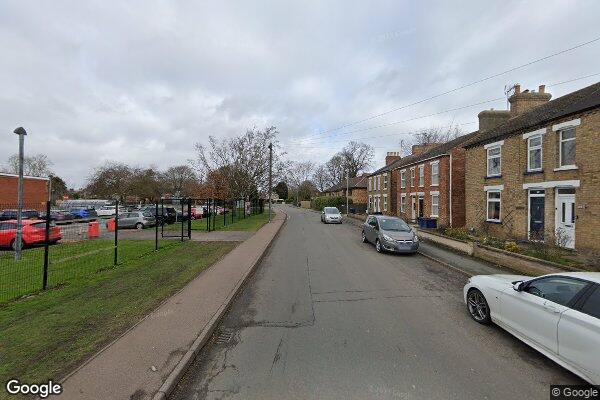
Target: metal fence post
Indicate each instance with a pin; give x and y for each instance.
(46, 247)
(182, 218)
(189, 207)
(214, 216)
(207, 215)
(116, 232)
(224, 214)
(156, 226)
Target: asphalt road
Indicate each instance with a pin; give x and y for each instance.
(326, 317)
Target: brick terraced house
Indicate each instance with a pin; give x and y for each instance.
(537, 175)
(381, 187)
(357, 189)
(431, 183)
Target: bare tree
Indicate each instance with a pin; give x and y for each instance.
(321, 178)
(356, 157)
(434, 134)
(36, 165)
(243, 161)
(178, 178)
(298, 173)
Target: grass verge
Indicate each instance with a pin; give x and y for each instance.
(48, 335)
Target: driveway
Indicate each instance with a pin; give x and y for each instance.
(326, 317)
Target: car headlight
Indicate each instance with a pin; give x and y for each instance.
(386, 237)
(415, 238)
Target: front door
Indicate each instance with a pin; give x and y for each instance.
(565, 218)
(414, 207)
(421, 207)
(536, 214)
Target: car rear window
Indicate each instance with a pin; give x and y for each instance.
(6, 226)
(592, 304)
(39, 225)
(148, 214)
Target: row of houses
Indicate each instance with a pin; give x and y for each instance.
(531, 172)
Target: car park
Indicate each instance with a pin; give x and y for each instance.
(331, 215)
(83, 213)
(166, 214)
(33, 231)
(57, 215)
(556, 314)
(389, 234)
(137, 220)
(106, 211)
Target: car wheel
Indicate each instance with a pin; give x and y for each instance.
(364, 237)
(139, 226)
(478, 307)
(378, 246)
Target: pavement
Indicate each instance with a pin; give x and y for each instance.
(327, 317)
(145, 360)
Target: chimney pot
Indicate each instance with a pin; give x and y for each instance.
(542, 89)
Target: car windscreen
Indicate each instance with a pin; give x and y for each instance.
(331, 210)
(393, 224)
(148, 214)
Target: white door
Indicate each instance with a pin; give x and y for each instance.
(565, 218)
(414, 207)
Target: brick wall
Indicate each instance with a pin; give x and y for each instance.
(514, 211)
(389, 191)
(35, 192)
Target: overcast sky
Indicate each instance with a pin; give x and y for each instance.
(142, 81)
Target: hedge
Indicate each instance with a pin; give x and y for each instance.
(318, 203)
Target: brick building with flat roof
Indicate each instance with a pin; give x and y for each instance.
(35, 191)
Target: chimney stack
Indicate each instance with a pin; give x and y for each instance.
(528, 99)
(392, 156)
(422, 148)
(489, 119)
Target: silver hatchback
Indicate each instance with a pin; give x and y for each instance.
(137, 220)
(389, 234)
(331, 215)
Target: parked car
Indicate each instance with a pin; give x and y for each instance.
(389, 234)
(107, 211)
(83, 213)
(57, 215)
(166, 215)
(137, 220)
(6, 215)
(556, 314)
(34, 232)
(331, 215)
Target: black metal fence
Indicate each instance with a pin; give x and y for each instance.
(60, 246)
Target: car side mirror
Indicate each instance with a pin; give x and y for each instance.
(376, 227)
(518, 286)
(322, 212)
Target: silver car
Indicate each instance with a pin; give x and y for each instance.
(137, 220)
(331, 215)
(389, 234)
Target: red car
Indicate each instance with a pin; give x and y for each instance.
(34, 232)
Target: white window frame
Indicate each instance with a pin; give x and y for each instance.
(403, 179)
(370, 184)
(540, 147)
(412, 177)
(385, 202)
(378, 182)
(487, 205)
(437, 174)
(402, 203)
(437, 196)
(560, 142)
(488, 157)
(370, 202)
(421, 175)
(385, 181)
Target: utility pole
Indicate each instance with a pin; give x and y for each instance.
(270, 176)
(347, 187)
(19, 237)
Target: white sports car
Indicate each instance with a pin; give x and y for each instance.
(557, 314)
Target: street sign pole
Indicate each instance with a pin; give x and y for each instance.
(19, 237)
(270, 176)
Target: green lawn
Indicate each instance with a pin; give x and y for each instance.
(67, 260)
(48, 335)
(250, 223)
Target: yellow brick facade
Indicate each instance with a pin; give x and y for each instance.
(585, 181)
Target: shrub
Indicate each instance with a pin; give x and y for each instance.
(457, 233)
(512, 247)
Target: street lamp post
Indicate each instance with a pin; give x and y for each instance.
(19, 237)
(347, 187)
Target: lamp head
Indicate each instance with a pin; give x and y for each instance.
(20, 131)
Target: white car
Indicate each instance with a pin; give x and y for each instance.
(106, 211)
(331, 215)
(557, 314)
